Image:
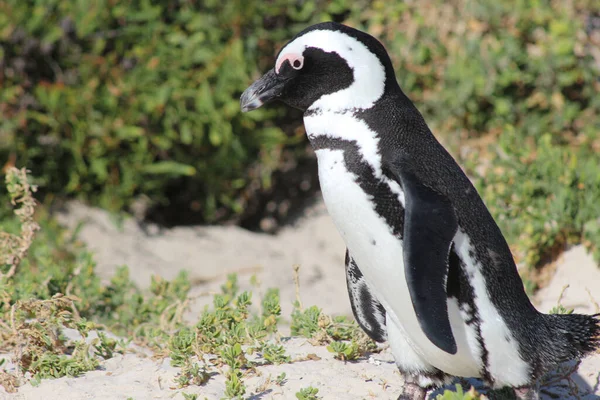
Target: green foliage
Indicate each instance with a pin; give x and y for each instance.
(49, 365)
(559, 308)
(105, 346)
(280, 380)
(48, 283)
(274, 353)
(271, 309)
(344, 351)
(543, 195)
(228, 333)
(476, 67)
(108, 102)
(308, 393)
(305, 322)
(234, 386)
(459, 394)
(313, 324)
(41, 344)
(150, 317)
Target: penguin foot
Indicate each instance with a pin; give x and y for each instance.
(527, 393)
(412, 391)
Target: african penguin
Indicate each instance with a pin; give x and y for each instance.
(427, 267)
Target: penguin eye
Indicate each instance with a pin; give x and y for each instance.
(297, 64)
(295, 60)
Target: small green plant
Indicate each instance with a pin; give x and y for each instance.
(559, 308)
(274, 353)
(459, 394)
(190, 396)
(227, 333)
(322, 329)
(344, 351)
(305, 322)
(308, 393)
(234, 386)
(233, 356)
(182, 351)
(280, 380)
(41, 347)
(271, 309)
(105, 346)
(181, 346)
(192, 374)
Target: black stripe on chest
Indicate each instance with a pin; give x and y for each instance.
(386, 203)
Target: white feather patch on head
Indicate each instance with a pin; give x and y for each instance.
(369, 73)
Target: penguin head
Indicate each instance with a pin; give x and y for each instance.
(327, 66)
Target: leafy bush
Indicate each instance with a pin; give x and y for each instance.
(111, 101)
(544, 196)
(475, 67)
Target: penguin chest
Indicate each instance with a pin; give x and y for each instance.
(374, 240)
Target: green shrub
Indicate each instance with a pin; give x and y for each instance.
(544, 196)
(115, 101)
(473, 67)
(308, 393)
(111, 101)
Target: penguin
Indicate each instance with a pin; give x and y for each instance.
(427, 267)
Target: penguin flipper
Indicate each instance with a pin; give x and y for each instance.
(367, 310)
(430, 225)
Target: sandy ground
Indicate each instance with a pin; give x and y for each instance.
(210, 253)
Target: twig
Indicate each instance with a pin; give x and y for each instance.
(562, 293)
(593, 300)
(21, 194)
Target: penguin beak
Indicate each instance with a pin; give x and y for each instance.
(262, 91)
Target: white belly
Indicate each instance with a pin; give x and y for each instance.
(379, 255)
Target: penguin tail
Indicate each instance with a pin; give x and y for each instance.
(576, 335)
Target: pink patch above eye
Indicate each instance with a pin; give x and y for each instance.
(295, 60)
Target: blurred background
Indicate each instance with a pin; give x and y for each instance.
(133, 106)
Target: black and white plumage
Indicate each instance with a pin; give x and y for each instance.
(427, 267)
